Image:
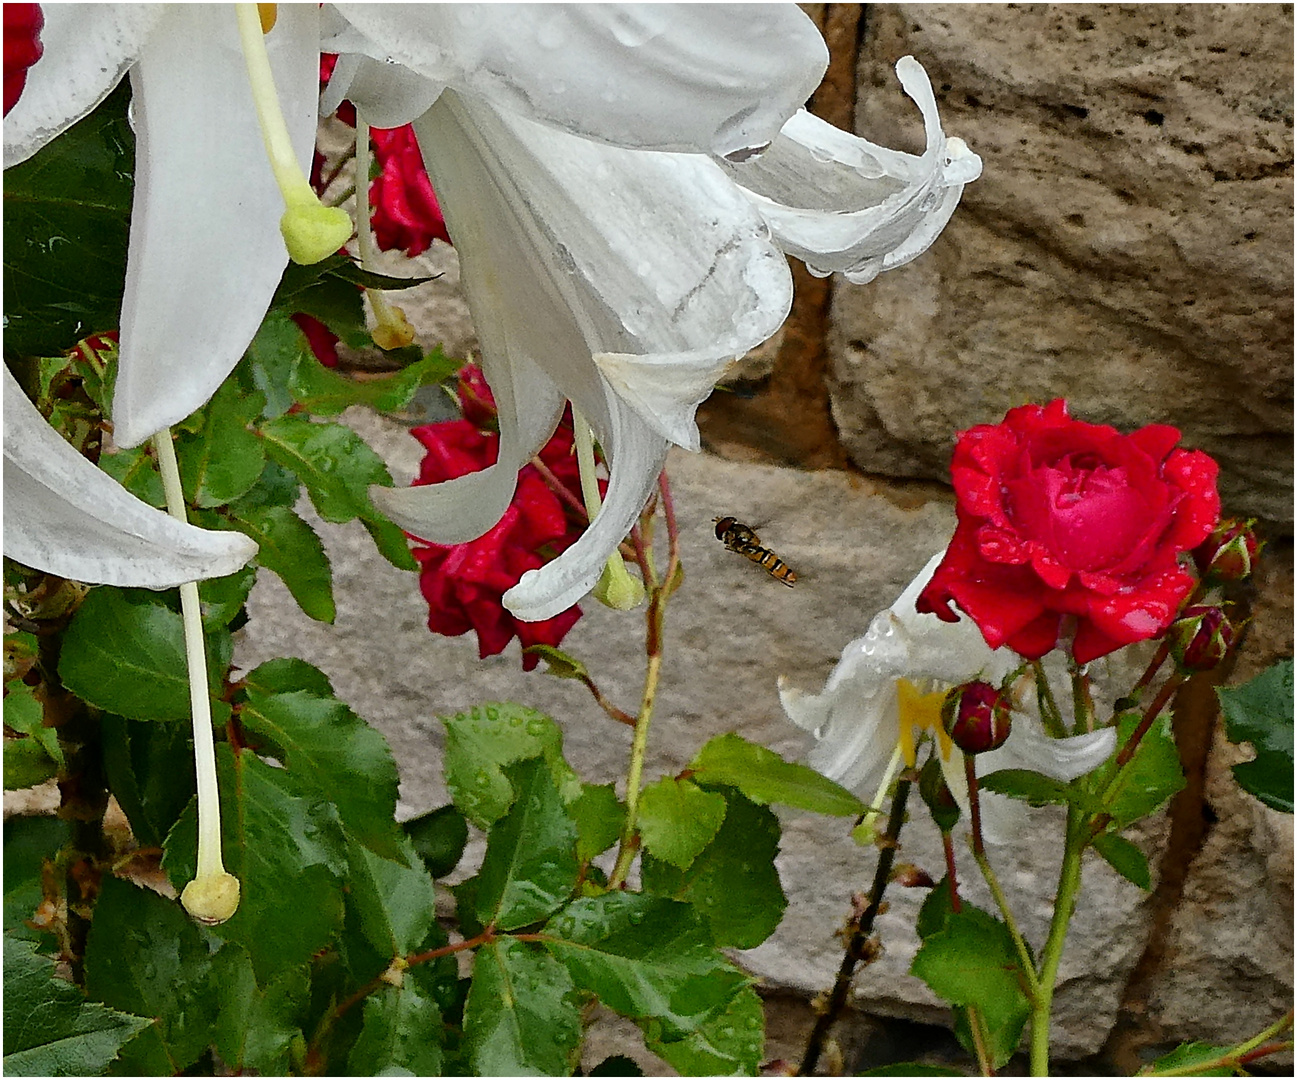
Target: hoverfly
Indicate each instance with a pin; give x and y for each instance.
(741, 538)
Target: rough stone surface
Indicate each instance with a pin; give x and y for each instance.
(1128, 246)
(730, 631)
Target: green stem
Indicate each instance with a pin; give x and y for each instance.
(1236, 1056)
(1019, 942)
(639, 745)
(1049, 712)
(1069, 885)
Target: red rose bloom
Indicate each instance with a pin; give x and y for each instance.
(1059, 517)
(464, 583)
(22, 35)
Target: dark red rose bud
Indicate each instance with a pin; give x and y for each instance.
(1200, 638)
(976, 717)
(1230, 552)
(941, 803)
(22, 37)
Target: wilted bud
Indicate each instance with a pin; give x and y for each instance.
(909, 876)
(941, 803)
(976, 717)
(1200, 638)
(1230, 552)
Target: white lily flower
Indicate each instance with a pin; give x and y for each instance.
(69, 518)
(886, 692)
(614, 251)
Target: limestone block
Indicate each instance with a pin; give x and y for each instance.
(1128, 246)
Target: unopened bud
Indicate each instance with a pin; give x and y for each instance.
(976, 717)
(941, 803)
(1200, 638)
(1230, 552)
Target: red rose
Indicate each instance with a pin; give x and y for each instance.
(1059, 517)
(464, 583)
(322, 340)
(22, 38)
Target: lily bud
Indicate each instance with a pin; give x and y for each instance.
(976, 717)
(1200, 638)
(941, 803)
(1230, 552)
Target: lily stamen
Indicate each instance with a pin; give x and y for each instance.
(616, 587)
(310, 229)
(213, 895)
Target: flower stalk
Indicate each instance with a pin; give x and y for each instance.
(310, 229)
(213, 895)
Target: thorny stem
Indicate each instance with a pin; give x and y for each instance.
(215, 894)
(857, 948)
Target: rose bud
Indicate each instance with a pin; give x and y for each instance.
(1200, 638)
(1230, 552)
(976, 717)
(941, 803)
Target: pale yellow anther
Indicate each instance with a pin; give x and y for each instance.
(392, 330)
(311, 230)
(267, 13)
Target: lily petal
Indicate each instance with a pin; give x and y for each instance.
(88, 48)
(842, 204)
(205, 249)
(718, 79)
(66, 517)
(1062, 759)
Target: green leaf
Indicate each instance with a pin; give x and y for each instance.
(560, 664)
(124, 652)
(144, 955)
(221, 599)
(135, 470)
(520, 1018)
(291, 548)
(67, 213)
(286, 674)
(733, 883)
(482, 741)
(49, 1027)
(267, 366)
(1150, 778)
(971, 961)
(26, 764)
(645, 957)
(337, 467)
(1188, 1055)
(1261, 712)
(221, 459)
(150, 770)
(336, 755)
(30, 844)
(402, 1035)
(530, 867)
(348, 269)
(286, 847)
(934, 911)
(599, 816)
(1124, 857)
(730, 1043)
(255, 1025)
(323, 392)
(677, 819)
(395, 903)
(439, 837)
(1035, 789)
(764, 777)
